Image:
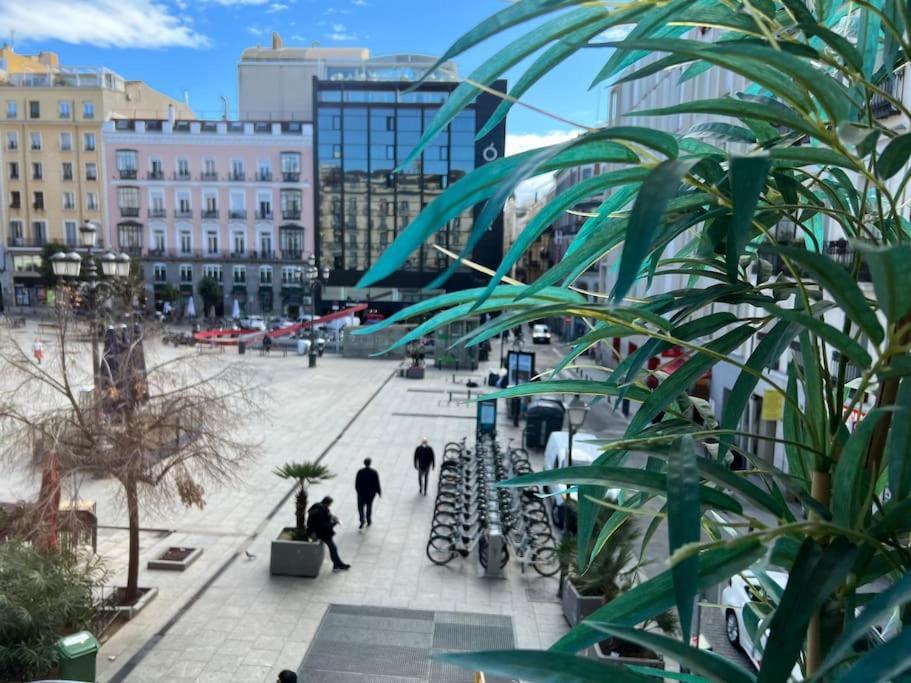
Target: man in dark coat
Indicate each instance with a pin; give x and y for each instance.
(367, 485)
(321, 523)
(424, 461)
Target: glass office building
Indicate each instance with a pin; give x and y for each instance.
(363, 131)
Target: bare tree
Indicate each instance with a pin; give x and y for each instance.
(164, 431)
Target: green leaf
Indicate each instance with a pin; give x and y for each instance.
(883, 663)
(723, 131)
(748, 178)
(541, 666)
(714, 667)
(620, 477)
(815, 575)
(850, 481)
(656, 191)
(656, 595)
(899, 593)
(806, 156)
(898, 444)
(889, 268)
(839, 283)
(683, 527)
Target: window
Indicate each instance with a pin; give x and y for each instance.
(89, 139)
(64, 110)
(69, 201)
(13, 170)
(289, 276)
(213, 271)
(240, 275)
(91, 171)
(12, 109)
(12, 141)
(66, 169)
(237, 169)
(15, 202)
(156, 171)
(208, 170)
(15, 233)
(88, 110)
(238, 207)
(210, 205)
(211, 242)
(291, 166)
(264, 205)
(129, 237)
(183, 204)
(291, 204)
(158, 242)
(186, 242)
(37, 171)
(240, 243)
(160, 272)
(91, 201)
(38, 202)
(127, 163)
(128, 201)
(39, 233)
(69, 232)
(35, 139)
(66, 142)
(264, 170)
(265, 244)
(156, 204)
(186, 273)
(183, 169)
(265, 275)
(34, 109)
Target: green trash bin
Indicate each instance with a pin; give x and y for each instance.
(77, 656)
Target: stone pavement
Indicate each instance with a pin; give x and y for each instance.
(226, 619)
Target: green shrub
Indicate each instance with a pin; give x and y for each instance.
(43, 595)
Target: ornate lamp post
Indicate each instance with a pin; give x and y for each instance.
(316, 277)
(576, 413)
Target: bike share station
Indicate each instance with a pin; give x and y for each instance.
(472, 511)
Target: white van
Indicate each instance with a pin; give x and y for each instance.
(540, 334)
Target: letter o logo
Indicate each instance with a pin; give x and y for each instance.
(490, 153)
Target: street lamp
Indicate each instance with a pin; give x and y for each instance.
(576, 412)
(316, 277)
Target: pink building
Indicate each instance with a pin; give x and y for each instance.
(231, 200)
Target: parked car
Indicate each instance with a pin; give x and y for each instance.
(540, 334)
(556, 456)
(279, 323)
(253, 322)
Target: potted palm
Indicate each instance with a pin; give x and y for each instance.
(416, 352)
(293, 553)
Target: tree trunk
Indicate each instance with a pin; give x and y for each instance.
(301, 509)
(132, 589)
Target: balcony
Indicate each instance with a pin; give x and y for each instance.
(182, 175)
(208, 175)
(210, 213)
(183, 213)
(38, 206)
(157, 213)
(155, 175)
(129, 211)
(13, 147)
(839, 251)
(127, 173)
(237, 213)
(37, 176)
(292, 254)
(264, 176)
(291, 214)
(880, 106)
(238, 255)
(291, 176)
(237, 176)
(26, 242)
(69, 207)
(264, 215)
(91, 177)
(131, 249)
(68, 177)
(15, 205)
(14, 176)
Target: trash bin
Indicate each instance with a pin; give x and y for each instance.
(544, 415)
(241, 347)
(77, 656)
(302, 347)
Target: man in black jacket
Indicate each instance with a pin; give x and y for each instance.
(367, 485)
(321, 523)
(424, 461)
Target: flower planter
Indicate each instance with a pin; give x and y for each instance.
(415, 372)
(577, 606)
(289, 557)
(618, 651)
(146, 595)
(175, 559)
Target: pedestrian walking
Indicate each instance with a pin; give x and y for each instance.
(321, 523)
(38, 350)
(367, 485)
(424, 461)
(287, 676)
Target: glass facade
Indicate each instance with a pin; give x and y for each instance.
(362, 205)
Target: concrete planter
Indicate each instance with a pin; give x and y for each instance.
(415, 372)
(295, 558)
(612, 652)
(129, 611)
(577, 606)
(182, 558)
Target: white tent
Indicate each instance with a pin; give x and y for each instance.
(191, 308)
(235, 310)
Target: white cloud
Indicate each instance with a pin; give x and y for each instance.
(614, 34)
(336, 10)
(277, 7)
(234, 3)
(105, 23)
(359, 3)
(340, 33)
(523, 142)
(256, 31)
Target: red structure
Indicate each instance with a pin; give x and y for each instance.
(232, 337)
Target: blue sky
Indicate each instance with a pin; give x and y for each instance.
(194, 45)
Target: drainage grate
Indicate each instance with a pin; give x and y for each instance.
(379, 645)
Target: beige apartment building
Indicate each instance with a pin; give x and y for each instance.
(52, 175)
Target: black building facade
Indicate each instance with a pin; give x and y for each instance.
(362, 131)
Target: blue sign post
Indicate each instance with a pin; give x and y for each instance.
(487, 418)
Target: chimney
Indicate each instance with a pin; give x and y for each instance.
(276, 41)
(172, 114)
